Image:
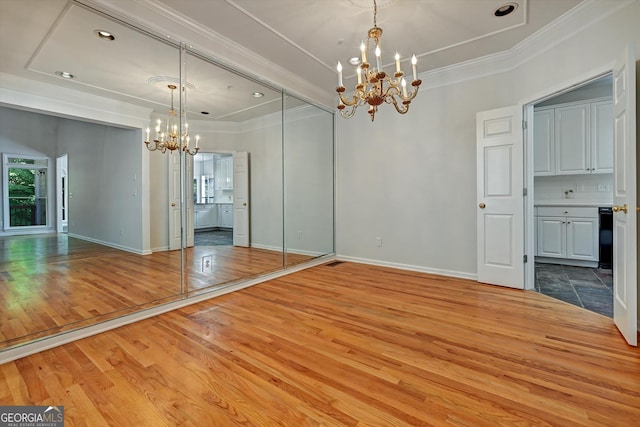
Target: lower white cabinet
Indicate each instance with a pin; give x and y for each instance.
(206, 216)
(225, 215)
(552, 237)
(570, 233)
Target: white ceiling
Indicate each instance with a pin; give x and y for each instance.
(302, 37)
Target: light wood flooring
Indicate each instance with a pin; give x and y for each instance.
(345, 345)
(52, 283)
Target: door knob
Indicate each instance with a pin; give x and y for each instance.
(244, 204)
(620, 208)
(173, 204)
(482, 206)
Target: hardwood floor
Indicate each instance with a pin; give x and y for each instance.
(345, 345)
(52, 283)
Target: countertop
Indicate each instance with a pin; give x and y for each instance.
(213, 204)
(573, 202)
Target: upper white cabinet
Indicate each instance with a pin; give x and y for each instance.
(544, 157)
(602, 136)
(224, 173)
(574, 138)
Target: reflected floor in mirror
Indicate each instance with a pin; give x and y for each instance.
(51, 283)
(213, 237)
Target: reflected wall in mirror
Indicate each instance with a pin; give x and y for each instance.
(92, 266)
(308, 179)
(93, 222)
(242, 132)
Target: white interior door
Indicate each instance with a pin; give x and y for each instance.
(241, 199)
(625, 265)
(175, 222)
(175, 219)
(188, 200)
(62, 193)
(500, 202)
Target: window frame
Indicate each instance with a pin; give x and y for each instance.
(6, 165)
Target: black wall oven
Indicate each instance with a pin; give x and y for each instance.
(605, 237)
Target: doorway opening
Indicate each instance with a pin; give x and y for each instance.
(62, 194)
(572, 191)
(213, 194)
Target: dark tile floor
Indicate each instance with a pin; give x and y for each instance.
(213, 237)
(590, 288)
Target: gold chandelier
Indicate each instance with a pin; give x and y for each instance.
(175, 135)
(374, 85)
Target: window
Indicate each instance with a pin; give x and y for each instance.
(25, 195)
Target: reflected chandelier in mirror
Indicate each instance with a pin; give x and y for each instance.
(171, 139)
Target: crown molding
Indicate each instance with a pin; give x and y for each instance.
(577, 19)
(34, 95)
(166, 23)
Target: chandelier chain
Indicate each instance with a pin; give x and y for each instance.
(375, 14)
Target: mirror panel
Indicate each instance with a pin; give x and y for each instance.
(92, 221)
(238, 225)
(102, 251)
(308, 178)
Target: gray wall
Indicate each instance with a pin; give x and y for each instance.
(104, 173)
(26, 133)
(411, 179)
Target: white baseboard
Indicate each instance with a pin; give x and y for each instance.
(409, 267)
(565, 261)
(266, 247)
(110, 244)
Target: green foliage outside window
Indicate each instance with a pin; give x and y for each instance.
(22, 185)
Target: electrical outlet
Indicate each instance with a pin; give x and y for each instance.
(207, 262)
(379, 242)
(299, 234)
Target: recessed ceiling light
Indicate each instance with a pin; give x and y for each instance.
(64, 74)
(505, 9)
(105, 35)
(257, 94)
(354, 61)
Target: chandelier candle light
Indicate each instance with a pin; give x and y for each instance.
(374, 85)
(170, 139)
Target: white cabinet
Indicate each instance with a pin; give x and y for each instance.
(569, 233)
(602, 137)
(224, 173)
(205, 216)
(574, 138)
(552, 238)
(225, 215)
(582, 238)
(544, 147)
